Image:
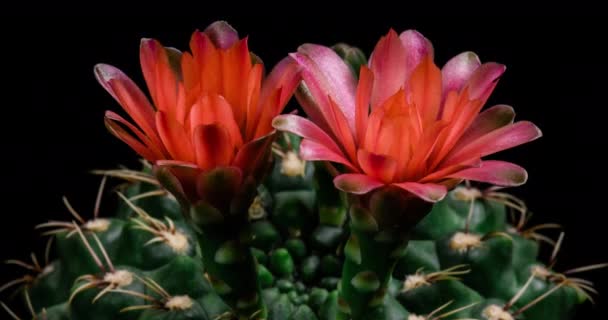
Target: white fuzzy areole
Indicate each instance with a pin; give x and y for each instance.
(466, 194)
(256, 209)
(176, 240)
(119, 278)
(414, 281)
(415, 317)
(292, 165)
(541, 272)
(179, 303)
(464, 241)
(97, 225)
(494, 312)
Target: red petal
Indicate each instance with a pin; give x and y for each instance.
(416, 47)
(127, 138)
(156, 149)
(388, 63)
(305, 129)
(457, 71)
(364, 92)
(213, 108)
(222, 34)
(212, 146)
(314, 151)
(426, 191)
(495, 172)
(129, 96)
(254, 156)
(356, 183)
(159, 75)
(174, 137)
(504, 138)
(376, 165)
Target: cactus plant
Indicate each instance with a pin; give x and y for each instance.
(227, 219)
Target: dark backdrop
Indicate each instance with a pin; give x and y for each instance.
(52, 107)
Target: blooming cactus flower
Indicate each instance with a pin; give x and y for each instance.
(406, 122)
(211, 109)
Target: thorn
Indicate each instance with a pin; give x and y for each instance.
(9, 311)
(556, 249)
(72, 211)
(89, 248)
(104, 252)
(99, 195)
(537, 300)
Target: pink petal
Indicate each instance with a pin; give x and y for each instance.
(222, 34)
(500, 139)
(284, 75)
(314, 151)
(305, 129)
(426, 191)
(311, 107)
(495, 172)
(327, 75)
(376, 165)
(489, 120)
(126, 92)
(484, 79)
(458, 70)
(416, 48)
(213, 146)
(356, 183)
(388, 63)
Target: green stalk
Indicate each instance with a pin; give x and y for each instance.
(380, 227)
(229, 262)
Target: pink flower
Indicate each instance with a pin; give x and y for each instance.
(406, 122)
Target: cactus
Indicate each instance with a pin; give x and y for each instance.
(464, 259)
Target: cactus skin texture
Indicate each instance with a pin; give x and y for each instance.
(302, 235)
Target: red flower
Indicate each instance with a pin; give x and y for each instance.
(406, 122)
(211, 112)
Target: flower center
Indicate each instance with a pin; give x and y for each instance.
(464, 241)
(179, 303)
(176, 240)
(494, 312)
(414, 281)
(119, 278)
(292, 165)
(466, 194)
(97, 225)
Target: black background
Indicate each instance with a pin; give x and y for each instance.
(52, 107)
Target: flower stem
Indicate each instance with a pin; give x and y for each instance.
(380, 226)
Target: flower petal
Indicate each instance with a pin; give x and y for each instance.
(489, 120)
(500, 139)
(426, 191)
(457, 71)
(174, 137)
(126, 92)
(356, 183)
(253, 156)
(495, 172)
(416, 48)
(377, 165)
(305, 129)
(120, 133)
(364, 92)
(484, 79)
(212, 145)
(314, 151)
(222, 34)
(219, 185)
(156, 149)
(327, 75)
(213, 108)
(388, 63)
(425, 89)
(159, 75)
(285, 75)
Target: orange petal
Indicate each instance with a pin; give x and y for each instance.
(377, 166)
(212, 146)
(364, 92)
(213, 108)
(425, 89)
(120, 133)
(174, 137)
